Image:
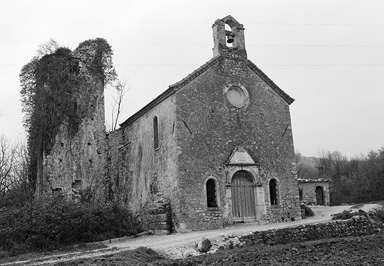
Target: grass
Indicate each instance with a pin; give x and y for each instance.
(39, 255)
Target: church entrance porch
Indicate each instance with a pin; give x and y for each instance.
(245, 195)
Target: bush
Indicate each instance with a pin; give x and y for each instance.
(51, 223)
(379, 213)
(308, 211)
(345, 215)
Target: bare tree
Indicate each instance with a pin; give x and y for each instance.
(7, 165)
(13, 172)
(47, 48)
(119, 90)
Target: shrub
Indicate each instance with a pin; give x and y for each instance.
(345, 215)
(308, 211)
(52, 223)
(379, 213)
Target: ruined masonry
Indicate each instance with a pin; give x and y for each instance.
(214, 149)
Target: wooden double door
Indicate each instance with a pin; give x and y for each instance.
(243, 197)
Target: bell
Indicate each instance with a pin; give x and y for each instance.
(230, 38)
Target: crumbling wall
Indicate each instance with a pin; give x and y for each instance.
(75, 166)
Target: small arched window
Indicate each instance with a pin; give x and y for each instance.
(211, 193)
(155, 133)
(273, 192)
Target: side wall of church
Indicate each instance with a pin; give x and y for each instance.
(209, 129)
(141, 173)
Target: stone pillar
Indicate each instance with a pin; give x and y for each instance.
(261, 210)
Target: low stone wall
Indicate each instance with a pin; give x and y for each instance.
(356, 226)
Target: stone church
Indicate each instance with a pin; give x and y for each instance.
(213, 149)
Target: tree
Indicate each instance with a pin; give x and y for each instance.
(306, 167)
(14, 185)
(47, 48)
(119, 90)
(355, 180)
(7, 165)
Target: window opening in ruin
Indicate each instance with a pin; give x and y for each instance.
(273, 192)
(56, 192)
(300, 193)
(155, 133)
(229, 35)
(76, 185)
(211, 193)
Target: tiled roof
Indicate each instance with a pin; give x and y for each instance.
(270, 83)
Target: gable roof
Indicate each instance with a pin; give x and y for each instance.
(171, 90)
(270, 83)
(178, 85)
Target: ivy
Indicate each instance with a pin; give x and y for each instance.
(50, 88)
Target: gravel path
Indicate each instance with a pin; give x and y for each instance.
(178, 245)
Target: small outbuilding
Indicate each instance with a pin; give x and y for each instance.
(314, 191)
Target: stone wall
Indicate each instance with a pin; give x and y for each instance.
(356, 226)
(139, 172)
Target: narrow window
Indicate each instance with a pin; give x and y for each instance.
(155, 133)
(300, 193)
(57, 192)
(273, 192)
(211, 193)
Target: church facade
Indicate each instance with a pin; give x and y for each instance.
(217, 145)
(215, 148)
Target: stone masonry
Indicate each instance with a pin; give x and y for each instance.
(213, 149)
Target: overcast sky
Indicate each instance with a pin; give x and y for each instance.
(327, 55)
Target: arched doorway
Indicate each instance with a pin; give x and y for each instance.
(243, 197)
(319, 195)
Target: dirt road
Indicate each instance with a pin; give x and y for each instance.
(182, 245)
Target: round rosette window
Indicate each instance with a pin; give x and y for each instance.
(237, 96)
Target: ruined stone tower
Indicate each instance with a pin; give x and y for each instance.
(75, 166)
